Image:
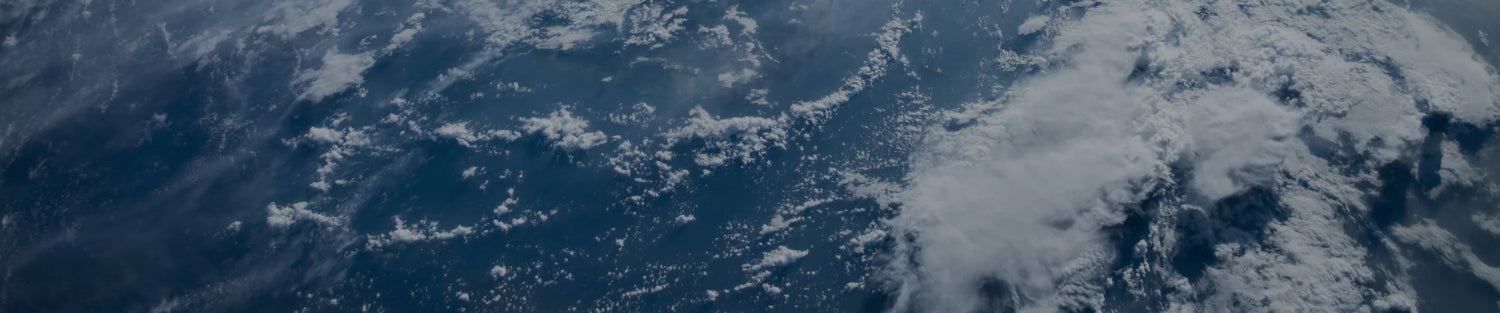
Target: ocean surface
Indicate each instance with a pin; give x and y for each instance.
(763, 156)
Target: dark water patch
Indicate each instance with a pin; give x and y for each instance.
(1470, 138)
(876, 302)
(1430, 157)
(1125, 237)
(1142, 69)
(1389, 205)
(1316, 10)
(1241, 218)
(1322, 148)
(1205, 12)
(1287, 93)
(954, 125)
(1221, 75)
(1437, 122)
(429, 187)
(1342, 152)
(1217, 76)
(1136, 227)
(1249, 212)
(1076, 8)
(1130, 254)
(1386, 65)
(998, 296)
(1441, 288)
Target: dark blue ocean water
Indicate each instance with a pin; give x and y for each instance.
(138, 178)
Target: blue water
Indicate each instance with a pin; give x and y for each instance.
(132, 179)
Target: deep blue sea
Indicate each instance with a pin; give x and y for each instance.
(771, 156)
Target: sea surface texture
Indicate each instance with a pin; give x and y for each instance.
(749, 156)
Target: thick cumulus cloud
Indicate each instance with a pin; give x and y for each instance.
(1022, 193)
(1236, 134)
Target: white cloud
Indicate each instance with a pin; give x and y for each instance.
(284, 216)
(781, 256)
(1427, 235)
(327, 135)
(738, 137)
(877, 63)
(510, 23)
(292, 17)
(731, 78)
(471, 171)
(1022, 193)
(1487, 222)
(651, 25)
(1033, 24)
(566, 131)
(1236, 133)
(748, 26)
(1456, 170)
(339, 72)
(405, 34)
(460, 132)
(419, 231)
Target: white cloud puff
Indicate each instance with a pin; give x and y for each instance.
(566, 131)
(338, 73)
